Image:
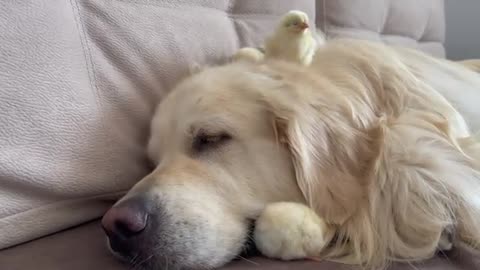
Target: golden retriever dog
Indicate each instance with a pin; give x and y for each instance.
(369, 150)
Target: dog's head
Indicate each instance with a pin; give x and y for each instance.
(226, 142)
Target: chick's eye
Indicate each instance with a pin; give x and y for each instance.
(204, 141)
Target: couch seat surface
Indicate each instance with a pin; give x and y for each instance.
(84, 247)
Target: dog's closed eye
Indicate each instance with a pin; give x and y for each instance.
(204, 141)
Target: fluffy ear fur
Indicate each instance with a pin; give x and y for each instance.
(374, 159)
(331, 159)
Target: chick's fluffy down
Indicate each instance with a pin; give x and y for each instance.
(290, 231)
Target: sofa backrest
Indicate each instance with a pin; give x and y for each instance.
(418, 24)
(79, 81)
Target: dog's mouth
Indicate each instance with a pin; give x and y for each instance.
(249, 247)
(157, 259)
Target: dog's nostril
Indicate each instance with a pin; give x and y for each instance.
(125, 220)
(129, 227)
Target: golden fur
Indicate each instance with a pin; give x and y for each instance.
(473, 64)
(376, 155)
(366, 136)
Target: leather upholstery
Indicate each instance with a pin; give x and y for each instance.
(79, 80)
(410, 23)
(84, 248)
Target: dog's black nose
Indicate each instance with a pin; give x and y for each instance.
(126, 219)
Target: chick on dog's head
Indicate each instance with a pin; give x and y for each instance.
(294, 21)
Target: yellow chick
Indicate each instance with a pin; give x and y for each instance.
(292, 40)
(248, 54)
(290, 231)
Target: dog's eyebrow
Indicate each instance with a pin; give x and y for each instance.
(210, 125)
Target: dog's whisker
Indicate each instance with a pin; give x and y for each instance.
(247, 260)
(152, 254)
(133, 260)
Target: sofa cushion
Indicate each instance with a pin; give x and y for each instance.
(410, 23)
(79, 80)
(84, 247)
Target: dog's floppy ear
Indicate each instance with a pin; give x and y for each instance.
(332, 157)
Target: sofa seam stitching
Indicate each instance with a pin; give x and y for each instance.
(101, 197)
(226, 11)
(87, 56)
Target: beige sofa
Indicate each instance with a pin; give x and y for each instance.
(78, 83)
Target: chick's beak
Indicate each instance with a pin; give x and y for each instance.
(302, 26)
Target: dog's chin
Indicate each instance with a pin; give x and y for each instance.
(161, 261)
(158, 261)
